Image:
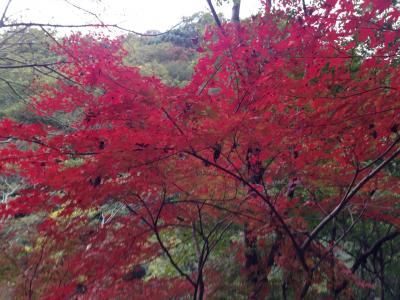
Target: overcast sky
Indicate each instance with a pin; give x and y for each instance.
(138, 15)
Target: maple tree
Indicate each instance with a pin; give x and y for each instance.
(284, 142)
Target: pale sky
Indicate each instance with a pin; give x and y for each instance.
(138, 15)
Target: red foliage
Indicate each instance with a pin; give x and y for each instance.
(285, 122)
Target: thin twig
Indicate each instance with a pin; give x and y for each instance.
(349, 194)
(4, 13)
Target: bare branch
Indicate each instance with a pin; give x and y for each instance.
(94, 25)
(363, 257)
(170, 258)
(373, 249)
(31, 65)
(347, 198)
(85, 11)
(214, 13)
(4, 13)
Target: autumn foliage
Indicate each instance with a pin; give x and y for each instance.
(289, 126)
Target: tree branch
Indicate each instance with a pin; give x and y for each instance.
(214, 14)
(4, 13)
(116, 26)
(347, 198)
(31, 65)
(286, 228)
(363, 257)
(373, 249)
(303, 3)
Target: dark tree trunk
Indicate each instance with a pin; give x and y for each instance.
(251, 262)
(236, 12)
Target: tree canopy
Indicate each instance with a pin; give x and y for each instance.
(273, 173)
